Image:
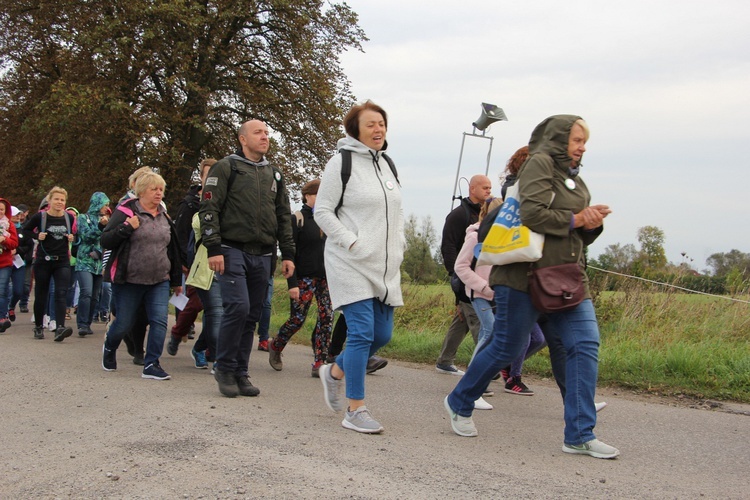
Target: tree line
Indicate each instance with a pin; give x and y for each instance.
(90, 91)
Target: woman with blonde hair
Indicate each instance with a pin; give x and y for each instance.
(54, 229)
(146, 260)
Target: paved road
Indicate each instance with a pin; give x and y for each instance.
(69, 429)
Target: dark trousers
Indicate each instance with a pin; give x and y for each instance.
(243, 288)
(44, 271)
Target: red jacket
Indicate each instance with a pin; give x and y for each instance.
(11, 241)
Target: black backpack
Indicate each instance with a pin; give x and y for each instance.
(346, 172)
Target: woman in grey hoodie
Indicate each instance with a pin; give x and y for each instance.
(364, 223)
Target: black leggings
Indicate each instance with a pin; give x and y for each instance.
(44, 270)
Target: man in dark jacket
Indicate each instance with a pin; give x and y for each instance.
(244, 211)
(454, 231)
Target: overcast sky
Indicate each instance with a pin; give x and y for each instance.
(663, 85)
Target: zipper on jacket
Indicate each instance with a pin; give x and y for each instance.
(379, 174)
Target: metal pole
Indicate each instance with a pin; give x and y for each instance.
(489, 153)
(458, 170)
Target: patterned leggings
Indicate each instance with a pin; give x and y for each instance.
(321, 336)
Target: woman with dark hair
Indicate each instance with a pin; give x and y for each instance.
(569, 224)
(307, 282)
(364, 224)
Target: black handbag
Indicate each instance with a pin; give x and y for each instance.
(556, 288)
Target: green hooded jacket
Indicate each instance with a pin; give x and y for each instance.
(89, 257)
(548, 205)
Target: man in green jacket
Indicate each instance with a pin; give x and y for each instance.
(244, 211)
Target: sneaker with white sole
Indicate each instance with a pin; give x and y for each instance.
(155, 372)
(600, 406)
(463, 426)
(449, 369)
(593, 448)
(199, 359)
(331, 388)
(360, 420)
(481, 404)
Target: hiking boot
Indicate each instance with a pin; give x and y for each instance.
(4, 325)
(155, 372)
(515, 386)
(263, 345)
(173, 345)
(109, 359)
(331, 388)
(463, 426)
(62, 333)
(375, 363)
(274, 357)
(227, 383)
(360, 420)
(449, 369)
(245, 387)
(199, 357)
(316, 369)
(593, 448)
(38, 332)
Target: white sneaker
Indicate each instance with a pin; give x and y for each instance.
(52, 325)
(45, 321)
(600, 406)
(463, 426)
(593, 448)
(481, 404)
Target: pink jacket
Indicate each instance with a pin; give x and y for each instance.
(476, 279)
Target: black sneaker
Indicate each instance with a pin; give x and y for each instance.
(515, 386)
(38, 332)
(62, 333)
(375, 363)
(109, 359)
(85, 330)
(173, 345)
(154, 371)
(227, 383)
(138, 360)
(4, 325)
(245, 387)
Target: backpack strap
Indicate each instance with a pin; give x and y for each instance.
(346, 173)
(44, 221)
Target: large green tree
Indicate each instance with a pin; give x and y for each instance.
(652, 254)
(91, 90)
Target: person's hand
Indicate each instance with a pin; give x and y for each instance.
(294, 293)
(177, 290)
(287, 268)
(133, 221)
(42, 236)
(216, 264)
(104, 220)
(591, 217)
(71, 237)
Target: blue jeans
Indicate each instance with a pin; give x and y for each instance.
(369, 325)
(536, 343)
(5, 273)
(486, 315)
(90, 285)
(514, 318)
(128, 298)
(18, 277)
(104, 298)
(243, 288)
(212, 313)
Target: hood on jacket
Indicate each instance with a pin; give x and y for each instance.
(352, 144)
(239, 155)
(551, 137)
(8, 209)
(97, 202)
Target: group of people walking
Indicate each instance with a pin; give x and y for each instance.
(344, 249)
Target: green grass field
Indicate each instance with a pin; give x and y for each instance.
(666, 343)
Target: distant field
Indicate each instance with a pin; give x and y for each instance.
(670, 343)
